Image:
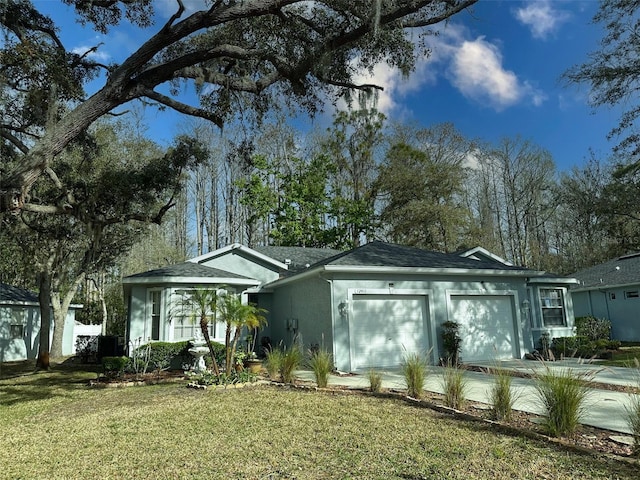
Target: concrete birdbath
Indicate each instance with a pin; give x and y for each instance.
(198, 350)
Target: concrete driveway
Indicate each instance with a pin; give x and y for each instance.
(605, 408)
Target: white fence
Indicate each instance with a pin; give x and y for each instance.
(80, 329)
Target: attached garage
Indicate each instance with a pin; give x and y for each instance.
(488, 326)
(383, 328)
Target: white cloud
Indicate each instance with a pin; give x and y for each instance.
(476, 70)
(541, 17)
(98, 55)
(473, 66)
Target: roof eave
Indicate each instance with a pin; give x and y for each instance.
(242, 248)
(189, 280)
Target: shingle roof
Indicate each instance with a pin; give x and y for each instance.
(623, 270)
(300, 258)
(188, 269)
(381, 254)
(9, 293)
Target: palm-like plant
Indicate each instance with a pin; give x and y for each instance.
(203, 303)
(238, 316)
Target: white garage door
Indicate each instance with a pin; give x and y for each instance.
(486, 326)
(383, 328)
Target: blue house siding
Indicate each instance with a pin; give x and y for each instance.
(619, 305)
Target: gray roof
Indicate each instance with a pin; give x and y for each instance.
(381, 254)
(298, 258)
(188, 269)
(9, 293)
(623, 270)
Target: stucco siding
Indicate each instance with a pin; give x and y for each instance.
(302, 309)
(239, 264)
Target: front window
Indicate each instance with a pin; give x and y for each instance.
(186, 317)
(552, 304)
(155, 314)
(16, 331)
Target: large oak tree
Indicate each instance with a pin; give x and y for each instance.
(250, 53)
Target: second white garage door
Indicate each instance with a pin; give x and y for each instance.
(385, 327)
(486, 326)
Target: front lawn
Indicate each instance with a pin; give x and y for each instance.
(54, 427)
(625, 356)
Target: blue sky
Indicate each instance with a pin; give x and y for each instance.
(493, 73)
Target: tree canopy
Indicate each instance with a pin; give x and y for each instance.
(243, 57)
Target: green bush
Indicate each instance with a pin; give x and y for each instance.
(114, 367)
(414, 369)
(291, 360)
(219, 351)
(454, 384)
(563, 395)
(175, 355)
(451, 342)
(582, 346)
(593, 329)
(321, 363)
(375, 381)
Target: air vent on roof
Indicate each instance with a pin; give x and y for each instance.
(287, 261)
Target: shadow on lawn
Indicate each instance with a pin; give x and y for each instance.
(20, 382)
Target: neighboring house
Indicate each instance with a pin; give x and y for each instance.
(611, 290)
(369, 306)
(20, 325)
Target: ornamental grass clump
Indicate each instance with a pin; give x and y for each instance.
(375, 381)
(321, 364)
(291, 361)
(632, 413)
(273, 363)
(454, 384)
(414, 369)
(501, 396)
(563, 394)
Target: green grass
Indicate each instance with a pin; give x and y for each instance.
(54, 427)
(623, 357)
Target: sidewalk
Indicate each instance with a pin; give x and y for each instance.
(605, 408)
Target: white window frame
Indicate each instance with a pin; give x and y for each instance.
(549, 303)
(150, 296)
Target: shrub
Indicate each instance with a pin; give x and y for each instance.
(321, 363)
(114, 367)
(291, 360)
(451, 342)
(565, 346)
(414, 369)
(593, 329)
(273, 362)
(563, 394)
(231, 378)
(454, 384)
(375, 381)
(501, 395)
(164, 355)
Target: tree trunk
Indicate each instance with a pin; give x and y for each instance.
(204, 326)
(60, 307)
(44, 297)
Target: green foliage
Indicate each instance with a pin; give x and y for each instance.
(422, 180)
(375, 380)
(414, 369)
(273, 363)
(224, 378)
(501, 395)
(632, 411)
(164, 355)
(592, 328)
(451, 342)
(90, 313)
(582, 347)
(114, 367)
(563, 394)
(291, 361)
(454, 384)
(321, 363)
